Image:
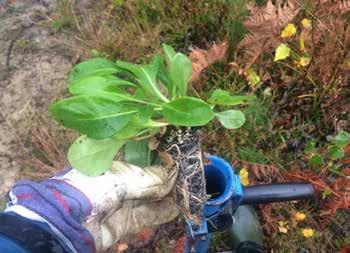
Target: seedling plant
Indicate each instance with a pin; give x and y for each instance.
(113, 103)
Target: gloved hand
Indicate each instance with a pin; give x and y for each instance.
(122, 201)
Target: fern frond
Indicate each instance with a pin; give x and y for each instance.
(264, 26)
(327, 7)
(272, 17)
(202, 59)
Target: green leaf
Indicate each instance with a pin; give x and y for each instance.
(335, 152)
(129, 131)
(282, 52)
(146, 76)
(92, 84)
(222, 97)
(253, 77)
(231, 119)
(93, 157)
(97, 117)
(316, 160)
(119, 82)
(139, 123)
(162, 71)
(145, 113)
(187, 111)
(341, 139)
(141, 94)
(137, 153)
(93, 67)
(180, 69)
(102, 87)
(169, 53)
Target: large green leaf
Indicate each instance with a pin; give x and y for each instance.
(137, 153)
(231, 119)
(146, 76)
(180, 69)
(92, 84)
(222, 97)
(180, 72)
(162, 74)
(92, 67)
(169, 53)
(119, 82)
(129, 131)
(146, 113)
(103, 87)
(93, 157)
(97, 117)
(134, 126)
(187, 111)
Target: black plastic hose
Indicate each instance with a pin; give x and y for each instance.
(268, 193)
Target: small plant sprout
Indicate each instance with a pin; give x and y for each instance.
(333, 151)
(113, 103)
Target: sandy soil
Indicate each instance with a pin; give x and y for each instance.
(34, 63)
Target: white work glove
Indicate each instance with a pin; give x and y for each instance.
(120, 202)
(125, 200)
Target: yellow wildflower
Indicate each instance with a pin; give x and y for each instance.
(308, 232)
(244, 175)
(289, 31)
(298, 216)
(306, 23)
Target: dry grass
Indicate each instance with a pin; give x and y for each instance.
(110, 40)
(42, 154)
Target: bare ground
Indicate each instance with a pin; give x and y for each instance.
(34, 63)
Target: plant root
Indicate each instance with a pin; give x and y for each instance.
(183, 145)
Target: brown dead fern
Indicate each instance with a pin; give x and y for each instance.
(202, 59)
(317, 181)
(339, 191)
(328, 7)
(340, 200)
(262, 172)
(264, 26)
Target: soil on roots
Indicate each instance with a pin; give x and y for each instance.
(183, 145)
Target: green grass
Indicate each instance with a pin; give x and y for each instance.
(64, 16)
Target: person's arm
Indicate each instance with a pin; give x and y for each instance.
(22, 235)
(80, 214)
